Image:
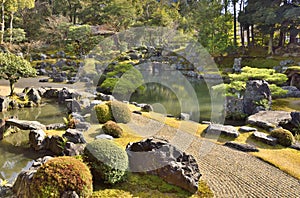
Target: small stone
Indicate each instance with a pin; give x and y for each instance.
(241, 147)
(104, 136)
(247, 129)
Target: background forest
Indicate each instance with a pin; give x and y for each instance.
(220, 26)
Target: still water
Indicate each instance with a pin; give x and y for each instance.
(16, 154)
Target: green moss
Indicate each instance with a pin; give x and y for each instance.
(112, 128)
(103, 113)
(109, 162)
(59, 175)
(285, 137)
(120, 112)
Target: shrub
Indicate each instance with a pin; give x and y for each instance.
(103, 113)
(285, 137)
(108, 161)
(120, 112)
(59, 175)
(112, 128)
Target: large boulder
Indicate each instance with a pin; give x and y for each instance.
(160, 158)
(64, 94)
(269, 120)
(33, 95)
(74, 136)
(218, 129)
(257, 97)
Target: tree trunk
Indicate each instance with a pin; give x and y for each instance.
(3, 22)
(11, 27)
(281, 39)
(12, 87)
(242, 35)
(293, 35)
(252, 35)
(234, 23)
(270, 46)
(248, 36)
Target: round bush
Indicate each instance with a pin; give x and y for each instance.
(120, 112)
(62, 174)
(103, 113)
(285, 137)
(108, 161)
(112, 128)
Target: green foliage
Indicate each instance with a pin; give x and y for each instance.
(112, 128)
(237, 85)
(120, 111)
(61, 174)
(103, 113)
(13, 67)
(108, 161)
(18, 35)
(121, 79)
(285, 137)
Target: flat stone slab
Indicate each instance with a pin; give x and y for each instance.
(217, 129)
(265, 138)
(269, 120)
(104, 136)
(247, 129)
(241, 147)
(295, 146)
(25, 124)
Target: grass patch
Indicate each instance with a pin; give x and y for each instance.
(140, 185)
(286, 104)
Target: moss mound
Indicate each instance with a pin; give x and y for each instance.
(108, 161)
(120, 112)
(62, 174)
(113, 129)
(103, 113)
(285, 137)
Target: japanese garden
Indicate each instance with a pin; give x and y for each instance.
(153, 98)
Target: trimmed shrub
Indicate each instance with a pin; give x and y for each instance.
(120, 112)
(108, 161)
(113, 129)
(62, 174)
(285, 137)
(103, 113)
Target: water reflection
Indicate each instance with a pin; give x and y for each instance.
(16, 154)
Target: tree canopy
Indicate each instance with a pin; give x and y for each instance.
(13, 67)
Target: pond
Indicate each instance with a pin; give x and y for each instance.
(16, 153)
(167, 101)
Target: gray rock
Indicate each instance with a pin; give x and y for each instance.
(70, 194)
(72, 105)
(82, 126)
(269, 120)
(37, 139)
(247, 129)
(55, 144)
(56, 126)
(72, 149)
(184, 116)
(51, 93)
(217, 129)
(293, 92)
(2, 128)
(34, 96)
(265, 138)
(234, 108)
(241, 147)
(4, 103)
(104, 136)
(257, 97)
(146, 107)
(295, 119)
(105, 97)
(158, 157)
(74, 136)
(25, 124)
(295, 146)
(64, 94)
(237, 66)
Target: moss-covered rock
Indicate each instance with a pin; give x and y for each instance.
(113, 129)
(285, 137)
(59, 175)
(103, 113)
(120, 111)
(108, 161)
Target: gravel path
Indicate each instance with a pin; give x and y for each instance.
(228, 172)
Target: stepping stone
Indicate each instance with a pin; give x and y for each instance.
(247, 129)
(265, 138)
(104, 136)
(241, 147)
(218, 129)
